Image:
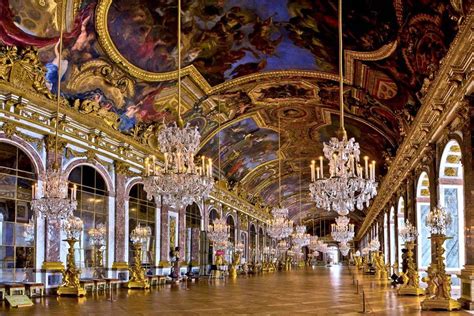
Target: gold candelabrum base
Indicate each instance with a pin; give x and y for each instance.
(439, 282)
(381, 269)
(411, 279)
(233, 266)
(358, 262)
(137, 278)
(71, 284)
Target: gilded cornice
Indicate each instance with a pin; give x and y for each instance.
(440, 105)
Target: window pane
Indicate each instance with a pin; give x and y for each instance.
(7, 186)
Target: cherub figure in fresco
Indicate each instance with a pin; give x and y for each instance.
(52, 69)
(261, 37)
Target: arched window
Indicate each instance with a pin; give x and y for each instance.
(17, 176)
(193, 232)
(213, 215)
(253, 242)
(141, 211)
(422, 210)
(393, 246)
(451, 197)
(231, 224)
(401, 223)
(92, 208)
(385, 238)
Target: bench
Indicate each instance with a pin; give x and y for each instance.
(15, 288)
(87, 284)
(34, 289)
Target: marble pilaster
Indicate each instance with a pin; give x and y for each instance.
(164, 241)
(120, 217)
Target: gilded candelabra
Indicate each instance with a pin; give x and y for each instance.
(137, 279)
(411, 279)
(71, 285)
(381, 272)
(439, 282)
(239, 248)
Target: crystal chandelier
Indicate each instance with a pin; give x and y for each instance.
(280, 227)
(313, 242)
(140, 234)
(55, 204)
(408, 232)
(374, 244)
(219, 233)
(181, 181)
(300, 238)
(73, 227)
(97, 235)
(322, 247)
(346, 186)
(342, 231)
(344, 249)
(239, 247)
(438, 220)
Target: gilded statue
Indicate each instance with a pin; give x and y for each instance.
(93, 107)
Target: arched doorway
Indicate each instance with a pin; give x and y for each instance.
(393, 245)
(93, 209)
(213, 215)
(231, 223)
(401, 223)
(193, 233)
(17, 176)
(253, 243)
(142, 211)
(422, 210)
(385, 237)
(451, 196)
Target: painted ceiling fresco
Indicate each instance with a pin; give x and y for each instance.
(248, 64)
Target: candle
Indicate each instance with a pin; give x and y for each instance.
(317, 171)
(373, 170)
(203, 162)
(33, 191)
(321, 166)
(210, 166)
(366, 159)
(312, 170)
(75, 191)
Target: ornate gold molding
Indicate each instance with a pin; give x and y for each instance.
(440, 105)
(114, 54)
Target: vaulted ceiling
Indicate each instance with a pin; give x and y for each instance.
(253, 70)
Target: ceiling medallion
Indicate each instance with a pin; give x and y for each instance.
(181, 181)
(346, 186)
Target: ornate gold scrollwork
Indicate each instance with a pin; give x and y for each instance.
(23, 69)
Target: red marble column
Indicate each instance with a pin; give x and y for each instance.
(120, 216)
(182, 233)
(164, 240)
(53, 229)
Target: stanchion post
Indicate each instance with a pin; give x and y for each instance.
(363, 302)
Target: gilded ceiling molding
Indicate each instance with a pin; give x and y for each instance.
(114, 54)
(441, 104)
